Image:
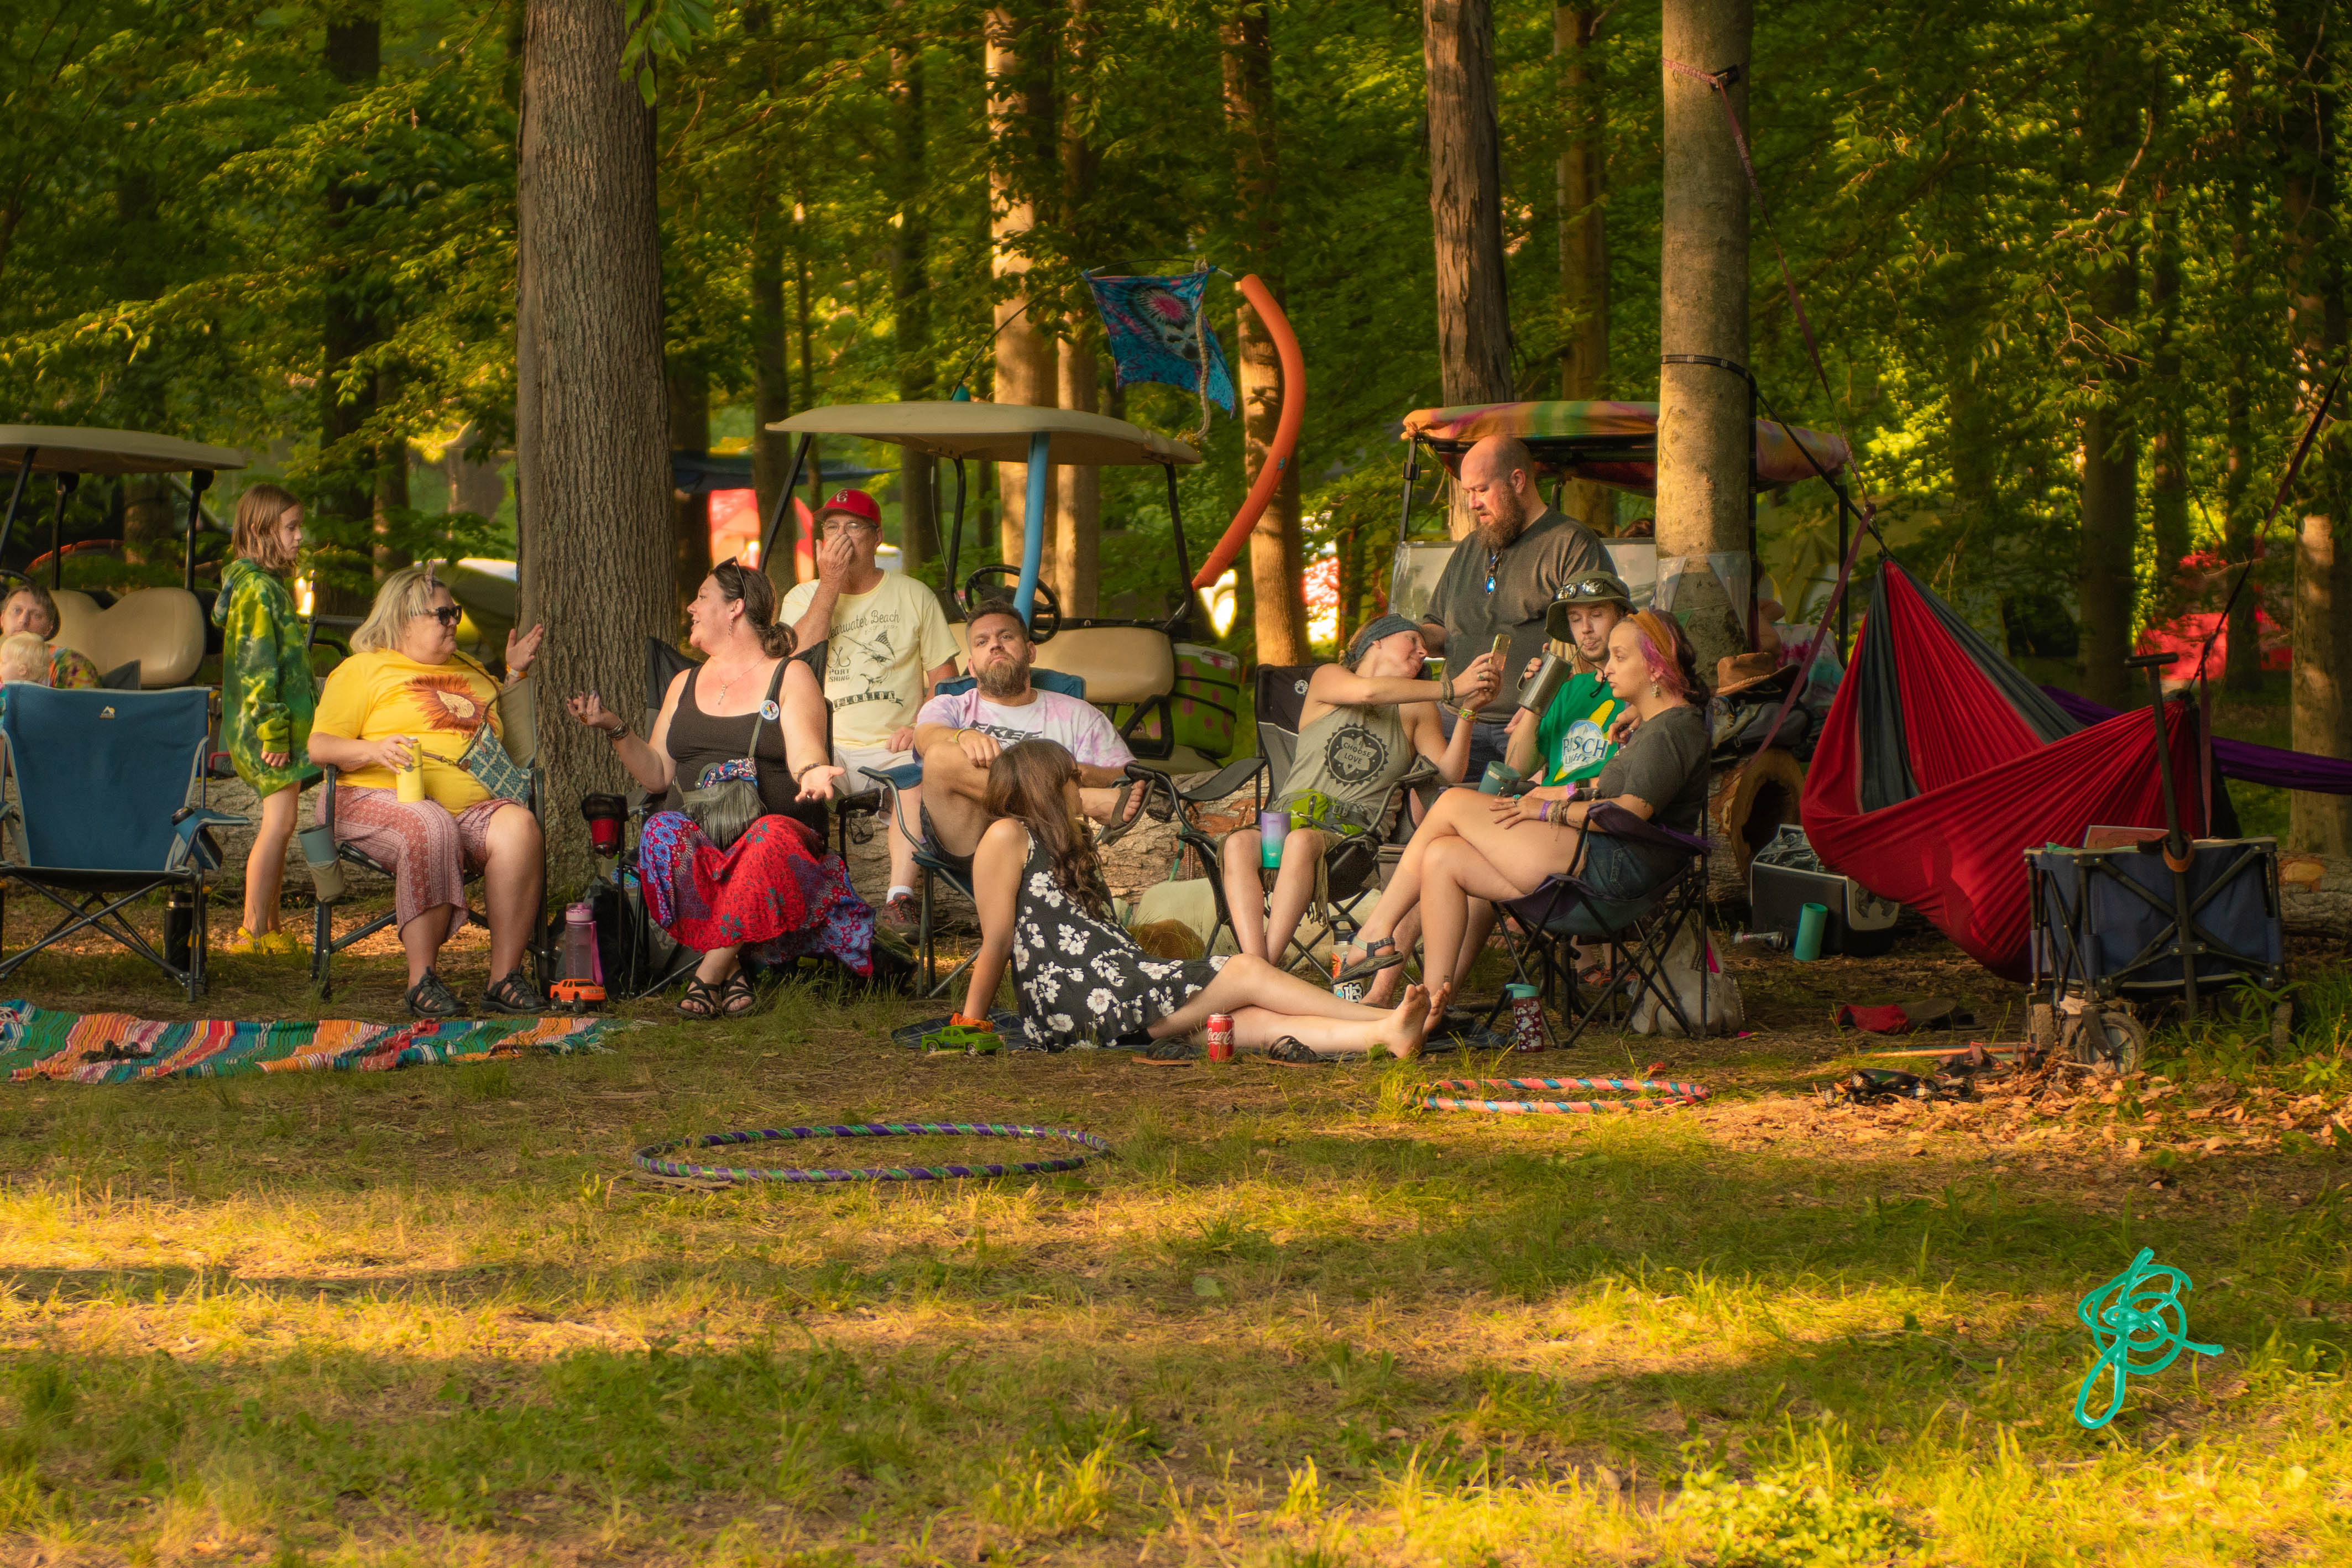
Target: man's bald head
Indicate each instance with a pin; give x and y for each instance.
(1498, 480)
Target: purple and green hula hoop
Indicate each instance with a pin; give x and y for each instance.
(1090, 1144)
(1650, 1094)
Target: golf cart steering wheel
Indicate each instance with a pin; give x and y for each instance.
(1044, 614)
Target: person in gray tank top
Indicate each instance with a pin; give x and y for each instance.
(1366, 720)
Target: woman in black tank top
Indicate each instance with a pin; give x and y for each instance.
(749, 712)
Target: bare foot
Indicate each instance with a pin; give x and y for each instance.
(1401, 1032)
(1440, 996)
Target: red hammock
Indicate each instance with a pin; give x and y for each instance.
(1940, 764)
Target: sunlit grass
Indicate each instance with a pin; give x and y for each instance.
(433, 1317)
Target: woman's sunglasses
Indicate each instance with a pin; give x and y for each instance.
(447, 615)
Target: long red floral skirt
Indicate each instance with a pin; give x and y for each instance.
(773, 892)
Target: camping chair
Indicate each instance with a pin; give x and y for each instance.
(1353, 867)
(514, 706)
(850, 808)
(102, 818)
(1543, 926)
(1183, 803)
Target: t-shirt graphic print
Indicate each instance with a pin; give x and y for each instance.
(880, 645)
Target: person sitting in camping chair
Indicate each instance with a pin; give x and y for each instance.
(1366, 722)
(1476, 847)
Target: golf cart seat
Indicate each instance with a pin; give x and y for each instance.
(161, 629)
(1122, 666)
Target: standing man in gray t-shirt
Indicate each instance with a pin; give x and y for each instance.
(1503, 578)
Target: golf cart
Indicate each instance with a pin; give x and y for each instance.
(1135, 670)
(1611, 444)
(160, 630)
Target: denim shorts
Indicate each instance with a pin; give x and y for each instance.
(1613, 871)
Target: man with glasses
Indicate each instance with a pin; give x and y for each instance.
(888, 646)
(1502, 579)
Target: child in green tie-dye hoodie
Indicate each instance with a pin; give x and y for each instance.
(266, 697)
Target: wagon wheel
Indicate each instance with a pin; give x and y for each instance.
(2108, 1035)
(1045, 614)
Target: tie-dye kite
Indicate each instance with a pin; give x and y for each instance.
(1153, 325)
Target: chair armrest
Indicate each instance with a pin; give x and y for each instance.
(1223, 782)
(892, 781)
(325, 811)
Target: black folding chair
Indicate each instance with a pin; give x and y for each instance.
(1543, 926)
(102, 820)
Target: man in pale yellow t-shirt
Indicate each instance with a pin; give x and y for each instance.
(888, 646)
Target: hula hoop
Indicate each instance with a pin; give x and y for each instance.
(1654, 1094)
(650, 1157)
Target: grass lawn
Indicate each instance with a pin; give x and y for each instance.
(433, 1317)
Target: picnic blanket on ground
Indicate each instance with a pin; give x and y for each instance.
(36, 1043)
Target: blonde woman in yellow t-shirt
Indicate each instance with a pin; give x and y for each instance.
(404, 695)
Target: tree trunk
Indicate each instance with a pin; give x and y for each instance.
(2168, 447)
(152, 524)
(591, 437)
(918, 513)
(391, 498)
(1277, 565)
(1583, 238)
(2322, 710)
(1466, 210)
(1022, 137)
(344, 502)
(771, 381)
(2110, 500)
(1075, 550)
(689, 515)
(813, 470)
(1703, 409)
(2243, 672)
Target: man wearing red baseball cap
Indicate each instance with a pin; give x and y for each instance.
(888, 646)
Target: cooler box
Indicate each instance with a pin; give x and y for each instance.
(1786, 874)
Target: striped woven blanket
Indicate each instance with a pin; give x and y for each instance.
(36, 1043)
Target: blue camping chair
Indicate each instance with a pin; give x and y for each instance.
(908, 774)
(1542, 926)
(103, 818)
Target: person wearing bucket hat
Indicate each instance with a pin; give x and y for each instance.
(888, 646)
(1366, 722)
(1569, 739)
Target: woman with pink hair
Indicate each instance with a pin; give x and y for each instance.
(1477, 845)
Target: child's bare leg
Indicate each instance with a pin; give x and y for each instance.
(265, 864)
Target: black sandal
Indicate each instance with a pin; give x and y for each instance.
(1121, 823)
(514, 994)
(1371, 964)
(700, 1002)
(431, 998)
(1290, 1051)
(735, 997)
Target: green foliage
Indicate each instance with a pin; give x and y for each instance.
(1802, 1517)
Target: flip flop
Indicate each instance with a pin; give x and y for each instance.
(1121, 822)
(1290, 1051)
(1370, 963)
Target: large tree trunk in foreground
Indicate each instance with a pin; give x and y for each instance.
(1703, 416)
(910, 263)
(1277, 566)
(1021, 134)
(591, 460)
(1073, 552)
(1583, 239)
(1466, 210)
(2321, 712)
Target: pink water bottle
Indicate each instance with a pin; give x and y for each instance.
(580, 958)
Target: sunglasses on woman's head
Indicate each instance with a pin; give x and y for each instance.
(447, 615)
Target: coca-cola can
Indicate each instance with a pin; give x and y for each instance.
(1221, 1036)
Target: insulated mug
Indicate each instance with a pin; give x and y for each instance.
(1809, 926)
(1526, 1004)
(1497, 775)
(1273, 828)
(1550, 676)
(409, 782)
(326, 871)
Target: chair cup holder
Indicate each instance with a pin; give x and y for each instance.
(326, 870)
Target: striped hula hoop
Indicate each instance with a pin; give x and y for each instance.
(1090, 1144)
(1653, 1094)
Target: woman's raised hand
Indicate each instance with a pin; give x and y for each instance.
(523, 651)
(1477, 681)
(816, 783)
(590, 709)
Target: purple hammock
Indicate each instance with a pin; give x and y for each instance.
(2242, 760)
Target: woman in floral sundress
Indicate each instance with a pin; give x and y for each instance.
(1039, 888)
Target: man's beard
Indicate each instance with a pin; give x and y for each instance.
(1506, 518)
(1005, 677)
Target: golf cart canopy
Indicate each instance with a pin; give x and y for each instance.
(1613, 444)
(65, 449)
(994, 432)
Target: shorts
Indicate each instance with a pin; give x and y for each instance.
(1616, 870)
(855, 759)
(960, 864)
